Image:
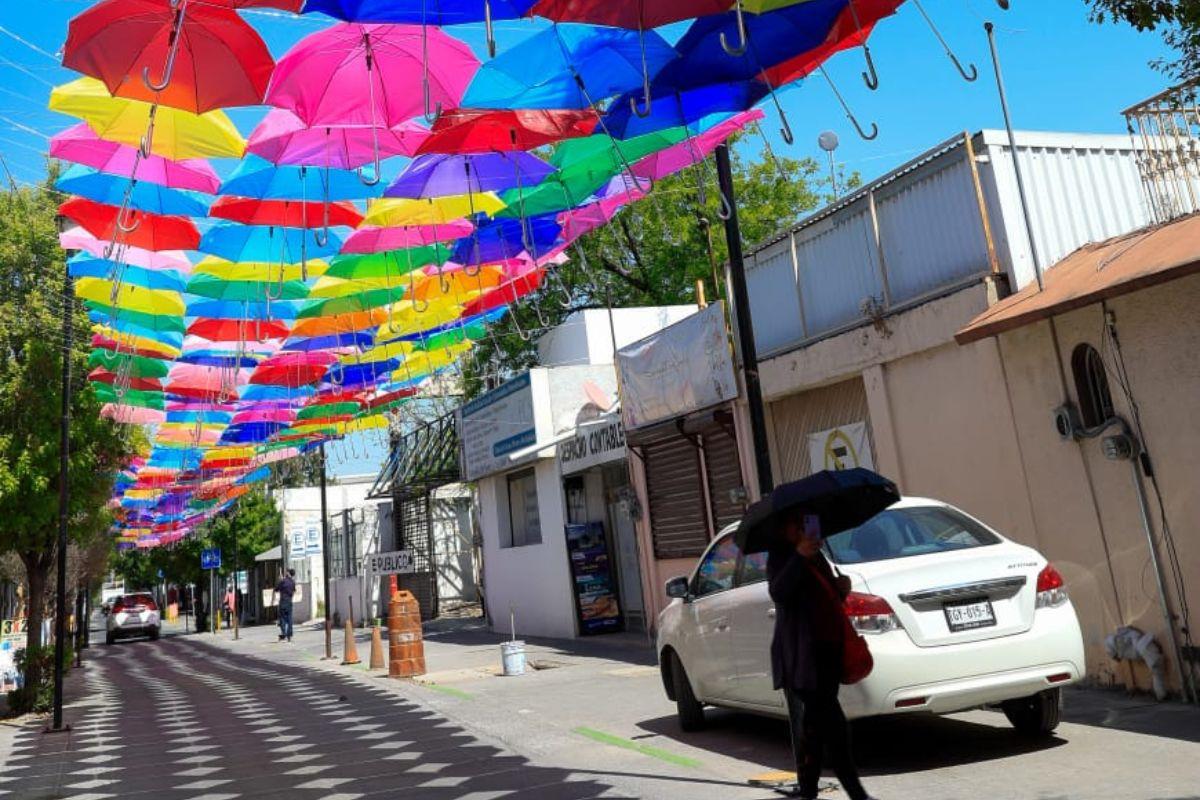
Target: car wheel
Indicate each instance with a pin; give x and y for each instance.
(109, 638)
(154, 634)
(1037, 715)
(690, 710)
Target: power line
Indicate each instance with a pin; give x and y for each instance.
(29, 44)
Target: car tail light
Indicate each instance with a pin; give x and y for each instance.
(151, 605)
(1051, 588)
(870, 613)
(118, 607)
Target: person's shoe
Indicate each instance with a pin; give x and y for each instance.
(289, 638)
(282, 637)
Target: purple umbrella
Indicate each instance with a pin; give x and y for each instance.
(441, 175)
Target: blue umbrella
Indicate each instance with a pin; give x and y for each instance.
(672, 108)
(541, 71)
(260, 179)
(267, 244)
(442, 175)
(259, 392)
(84, 266)
(149, 197)
(357, 376)
(773, 37)
(358, 339)
(218, 358)
(105, 316)
(214, 417)
(239, 309)
(499, 239)
(251, 432)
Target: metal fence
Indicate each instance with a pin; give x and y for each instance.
(1165, 129)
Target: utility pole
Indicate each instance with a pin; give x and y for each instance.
(64, 498)
(325, 558)
(237, 598)
(744, 327)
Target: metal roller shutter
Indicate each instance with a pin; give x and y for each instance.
(724, 474)
(799, 415)
(678, 524)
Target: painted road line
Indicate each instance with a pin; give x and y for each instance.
(448, 690)
(638, 747)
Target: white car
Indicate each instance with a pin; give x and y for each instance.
(956, 617)
(132, 615)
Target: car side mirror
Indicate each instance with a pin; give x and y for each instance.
(678, 587)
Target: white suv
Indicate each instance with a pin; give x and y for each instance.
(956, 616)
(132, 615)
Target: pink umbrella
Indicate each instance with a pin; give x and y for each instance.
(265, 415)
(205, 383)
(132, 415)
(282, 138)
(694, 149)
(79, 239)
(584, 219)
(372, 75)
(379, 240)
(80, 145)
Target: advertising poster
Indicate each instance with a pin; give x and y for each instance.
(844, 447)
(595, 584)
(12, 636)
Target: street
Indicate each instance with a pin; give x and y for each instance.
(208, 718)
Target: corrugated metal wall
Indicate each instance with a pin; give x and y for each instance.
(814, 281)
(795, 417)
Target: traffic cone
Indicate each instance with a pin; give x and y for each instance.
(349, 651)
(377, 661)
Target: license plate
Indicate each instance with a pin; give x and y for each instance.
(969, 615)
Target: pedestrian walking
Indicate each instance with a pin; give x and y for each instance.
(285, 590)
(807, 654)
(230, 606)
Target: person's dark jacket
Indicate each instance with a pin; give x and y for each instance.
(807, 625)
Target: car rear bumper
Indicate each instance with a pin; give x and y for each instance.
(952, 678)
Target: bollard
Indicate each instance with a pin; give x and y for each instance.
(376, 649)
(406, 647)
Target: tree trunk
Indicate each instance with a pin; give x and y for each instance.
(37, 573)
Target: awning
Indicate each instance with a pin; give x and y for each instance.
(274, 554)
(1097, 272)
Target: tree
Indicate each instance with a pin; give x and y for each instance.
(31, 305)
(1178, 20)
(653, 253)
(249, 528)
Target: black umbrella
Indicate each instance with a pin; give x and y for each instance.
(842, 499)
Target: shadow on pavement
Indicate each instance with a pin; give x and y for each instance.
(882, 746)
(1113, 709)
(630, 648)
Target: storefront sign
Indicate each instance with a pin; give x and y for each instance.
(494, 425)
(595, 443)
(683, 368)
(843, 447)
(399, 562)
(595, 584)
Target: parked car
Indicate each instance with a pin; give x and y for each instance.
(132, 615)
(956, 616)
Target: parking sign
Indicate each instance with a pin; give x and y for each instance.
(210, 558)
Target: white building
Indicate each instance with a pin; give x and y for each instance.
(559, 552)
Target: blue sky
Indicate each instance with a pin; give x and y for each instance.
(1063, 73)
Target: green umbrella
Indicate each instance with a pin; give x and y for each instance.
(362, 301)
(326, 410)
(171, 323)
(391, 263)
(130, 397)
(259, 291)
(131, 365)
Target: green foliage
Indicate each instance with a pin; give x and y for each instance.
(1177, 20)
(653, 253)
(37, 695)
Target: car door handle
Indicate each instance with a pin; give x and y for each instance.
(771, 612)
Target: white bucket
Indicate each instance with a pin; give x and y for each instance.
(512, 655)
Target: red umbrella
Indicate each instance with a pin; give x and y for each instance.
(293, 369)
(196, 57)
(505, 294)
(283, 5)
(632, 14)
(496, 131)
(285, 213)
(238, 330)
(101, 375)
(851, 29)
(134, 228)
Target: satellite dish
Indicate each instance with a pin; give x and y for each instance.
(828, 141)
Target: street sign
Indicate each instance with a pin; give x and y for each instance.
(210, 558)
(398, 562)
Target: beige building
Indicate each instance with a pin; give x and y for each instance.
(856, 314)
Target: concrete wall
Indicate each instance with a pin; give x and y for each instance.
(586, 337)
(533, 580)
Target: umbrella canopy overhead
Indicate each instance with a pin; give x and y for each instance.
(501, 130)
(80, 145)
(633, 14)
(420, 12)
(841, 499)
(286, 213)
(152, 197)
(283, 138)
(149, 231)
(444, 175)
(262, 180)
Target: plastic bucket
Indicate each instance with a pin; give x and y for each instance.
(512, 655)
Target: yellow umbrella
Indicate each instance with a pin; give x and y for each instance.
(256, 270)
(390, 212)
(177, 134)
(422, 364)
(130, 341)
(384, 352)
(132, 298)
(344, 287)
(458, 285)
(407, 319)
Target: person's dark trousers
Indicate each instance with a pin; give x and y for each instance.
(819, 728)
(285, 620)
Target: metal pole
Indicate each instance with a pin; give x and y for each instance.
(744, 327)
(64, 498)
(237, 599)
(1012, 146)
(325, 558)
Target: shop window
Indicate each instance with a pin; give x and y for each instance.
(1091, 386)
(576, 500)
(718, 568)
(524, 522)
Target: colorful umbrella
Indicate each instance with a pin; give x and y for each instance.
(293, 369)
(393, 213)
(234, 242)
(80, 145)
(504, 238)
(631, 14)
(377, 240)
(239, 330)
(262, 180)
(138, 229)
(285, 213)
(120, 191)
(693, 150)
(175, 134)
(258, 291)
(189, 56)
(87, 266)
(446, 175)
(79, 239)
(282, 138)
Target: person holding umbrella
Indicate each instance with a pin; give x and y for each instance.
(814, 648)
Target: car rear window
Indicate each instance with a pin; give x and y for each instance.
(138, 600)
(904, 532)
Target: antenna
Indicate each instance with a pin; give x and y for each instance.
(828, 141)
